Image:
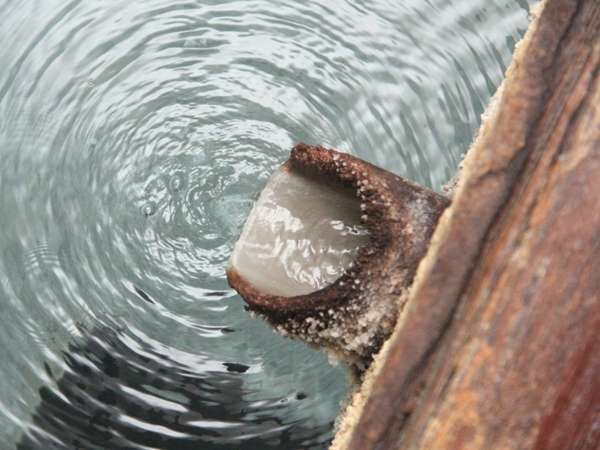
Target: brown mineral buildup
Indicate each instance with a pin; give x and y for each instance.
(331, 248)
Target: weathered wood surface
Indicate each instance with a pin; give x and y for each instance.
(498, 347)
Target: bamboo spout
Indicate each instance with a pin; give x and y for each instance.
(356, 310)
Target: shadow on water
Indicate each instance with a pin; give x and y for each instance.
(114, 397)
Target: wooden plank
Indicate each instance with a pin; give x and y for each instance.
(498, 345)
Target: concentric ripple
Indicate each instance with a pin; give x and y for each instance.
(134, 139)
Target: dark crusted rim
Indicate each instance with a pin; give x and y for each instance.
(376, 190)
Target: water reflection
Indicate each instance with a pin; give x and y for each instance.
(119, 392)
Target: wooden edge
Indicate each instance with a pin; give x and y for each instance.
(554, 70)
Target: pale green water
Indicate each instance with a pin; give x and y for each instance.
(134, 137)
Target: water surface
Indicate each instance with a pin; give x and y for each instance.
(134, 138)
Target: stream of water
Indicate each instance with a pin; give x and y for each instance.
(134, 138)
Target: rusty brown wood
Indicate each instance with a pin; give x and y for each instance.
(498, 347)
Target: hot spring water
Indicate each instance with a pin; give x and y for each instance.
(134, 139)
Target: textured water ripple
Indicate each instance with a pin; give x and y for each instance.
(134, 138)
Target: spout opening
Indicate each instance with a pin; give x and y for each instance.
(354, 181)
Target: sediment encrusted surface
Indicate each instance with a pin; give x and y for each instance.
(355, 314)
